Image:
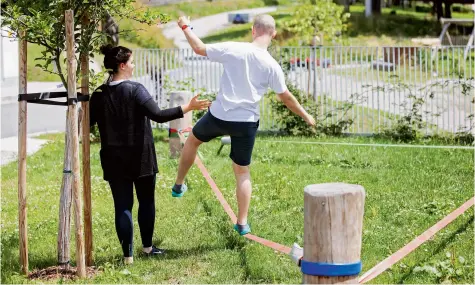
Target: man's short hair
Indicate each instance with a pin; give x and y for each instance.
(264, 24)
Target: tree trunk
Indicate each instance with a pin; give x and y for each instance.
(111, 29)
(439, 9)
(65, 205)
(22, 133)
(73, 138)
(448, 9)
(86, 164)
(376, 7)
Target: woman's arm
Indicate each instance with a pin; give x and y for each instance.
(151, 110)
(92, 110)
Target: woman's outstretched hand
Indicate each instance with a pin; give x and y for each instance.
(196, 104)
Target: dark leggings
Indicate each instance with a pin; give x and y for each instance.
(123, 193)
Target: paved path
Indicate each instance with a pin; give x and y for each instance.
(41, 118)
(9, 148)
(207, 25)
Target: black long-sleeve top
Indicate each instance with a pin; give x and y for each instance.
(122, 113)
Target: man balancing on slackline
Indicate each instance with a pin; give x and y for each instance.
(249, 70)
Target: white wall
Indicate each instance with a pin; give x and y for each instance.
(8, 57)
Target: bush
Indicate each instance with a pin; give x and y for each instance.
(411, 125)
(464, 138)
(461, 8)
(321, 18)
(292, 124)
(288, 121)
(271, 2)
(423, 9)
(402, 131)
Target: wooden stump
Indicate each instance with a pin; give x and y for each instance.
(333, 223)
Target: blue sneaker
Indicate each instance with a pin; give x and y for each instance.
(242, 229)
(179, 191)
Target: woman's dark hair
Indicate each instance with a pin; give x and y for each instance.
(114, 56)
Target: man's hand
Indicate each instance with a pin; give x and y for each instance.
(183, 20)
(310, 120)
(196, 44)
(289, 100)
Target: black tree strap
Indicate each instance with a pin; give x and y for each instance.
(40, 98)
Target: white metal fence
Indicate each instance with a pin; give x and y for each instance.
(377, 85)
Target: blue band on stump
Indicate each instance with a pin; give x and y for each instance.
(329, 269)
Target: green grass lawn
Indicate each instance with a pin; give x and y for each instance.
(207, 8)
(35, 73)
(143, 36)
(407, 191)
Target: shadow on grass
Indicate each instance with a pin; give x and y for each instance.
(232, 240)
(437, 249)
(183, 253)
(11, 262)
(10, 259)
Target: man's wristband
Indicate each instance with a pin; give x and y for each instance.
(186, 26)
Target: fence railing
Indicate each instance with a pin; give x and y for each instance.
(381, 84)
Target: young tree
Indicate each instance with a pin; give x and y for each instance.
(42, 22)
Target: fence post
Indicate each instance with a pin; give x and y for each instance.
(333, 223)
(178, 98)
(368, 8)
(314, 61)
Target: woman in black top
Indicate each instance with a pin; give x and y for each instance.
(122, 110)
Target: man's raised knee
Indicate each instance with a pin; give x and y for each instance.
(192, 140)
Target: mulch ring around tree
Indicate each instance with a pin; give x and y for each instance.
(60, 272)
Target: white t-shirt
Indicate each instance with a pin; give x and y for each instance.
(248, 72)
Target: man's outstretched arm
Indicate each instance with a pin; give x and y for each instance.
(196, 44)
(291, 102)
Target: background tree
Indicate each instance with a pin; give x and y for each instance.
(317, 17)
